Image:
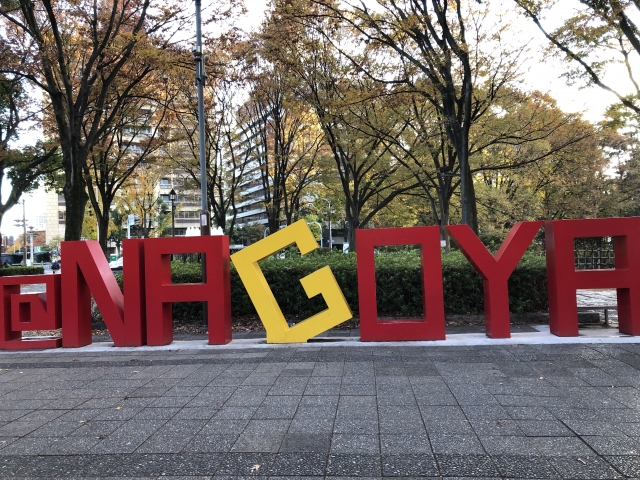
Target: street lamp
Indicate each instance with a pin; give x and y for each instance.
(23, 223)
(173, 197)
(31, 229)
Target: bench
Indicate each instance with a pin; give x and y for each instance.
(606, 309)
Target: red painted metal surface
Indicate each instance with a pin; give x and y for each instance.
(86, 272)
(161, 293)
(564, 280)
(29, 311)
(495, 270)
(431, 327)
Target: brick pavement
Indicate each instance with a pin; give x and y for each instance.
(534, 411)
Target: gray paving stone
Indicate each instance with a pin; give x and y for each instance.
(409, 465)
(253, 464)
(583, 467)
(391, 444)
(544, 428)
(353, 465)
(346, 443)
(628, 465)
(193, 464)
(524, 466)
(298, 464)
(466, 466)
(455, 444)
(613, 445)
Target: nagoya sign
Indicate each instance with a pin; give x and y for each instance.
(142, 314)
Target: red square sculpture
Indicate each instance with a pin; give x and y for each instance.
(161, 293)
(29, 311)
(86, 272)
(564, 280)
(431, 327)
(495, 270)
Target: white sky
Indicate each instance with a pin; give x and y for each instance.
(543, 73)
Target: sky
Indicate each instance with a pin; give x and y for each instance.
(542, 73)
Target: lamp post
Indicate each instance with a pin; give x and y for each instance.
(23, 223)
(173, 197)
(31, 242)
(330, 236)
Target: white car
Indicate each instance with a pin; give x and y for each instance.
(116, 264)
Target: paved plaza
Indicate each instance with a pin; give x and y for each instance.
(323, 411)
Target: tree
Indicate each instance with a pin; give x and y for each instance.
(346, 104)
(86, 58)
(226, 150)
(139, 197)
(135, 137)
(595, 37)
(23, 167)
(437, 49)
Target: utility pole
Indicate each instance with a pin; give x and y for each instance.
(201, 76)
(205, 215)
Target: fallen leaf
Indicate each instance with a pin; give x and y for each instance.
(582, 461)
(255, 468)
(118, 407)
(541, 378)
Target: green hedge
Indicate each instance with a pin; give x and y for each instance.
(399, 285)
(13, 271)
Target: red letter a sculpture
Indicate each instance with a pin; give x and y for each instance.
(564, 280)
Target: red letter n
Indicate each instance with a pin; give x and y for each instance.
(86, 272)
(215, 289)
(431, 327)
(564, 280)
(495, 270)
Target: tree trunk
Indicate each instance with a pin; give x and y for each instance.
(103, 231)
(75, 198)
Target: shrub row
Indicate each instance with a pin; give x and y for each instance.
(398, 280)
(12, 271)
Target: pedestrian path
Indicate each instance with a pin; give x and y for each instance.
(324, 411)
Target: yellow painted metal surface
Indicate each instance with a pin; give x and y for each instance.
(321, 282)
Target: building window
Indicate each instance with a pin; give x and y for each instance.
(165, 183)
(62, 215)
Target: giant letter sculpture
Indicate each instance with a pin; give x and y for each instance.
(495, 270)
(215, 288)
(431, 327)
(86, 272)
(319, 282)
(29, 311)
(564, 280)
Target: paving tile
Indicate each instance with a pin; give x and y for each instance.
(626, 464)
(409, 465)
(613, 445)
(353, 465)
(466, 466)
(193, 464)
(248, 464)
(583, 467)
(346, 443)
(524, 466)
(455, 444)
(306, 442)
(210, 443)
(298, 464)
(391, 444)
(560, 446)
(544, 428)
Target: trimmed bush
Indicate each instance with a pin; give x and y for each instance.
(13, 271)
(398, 279)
